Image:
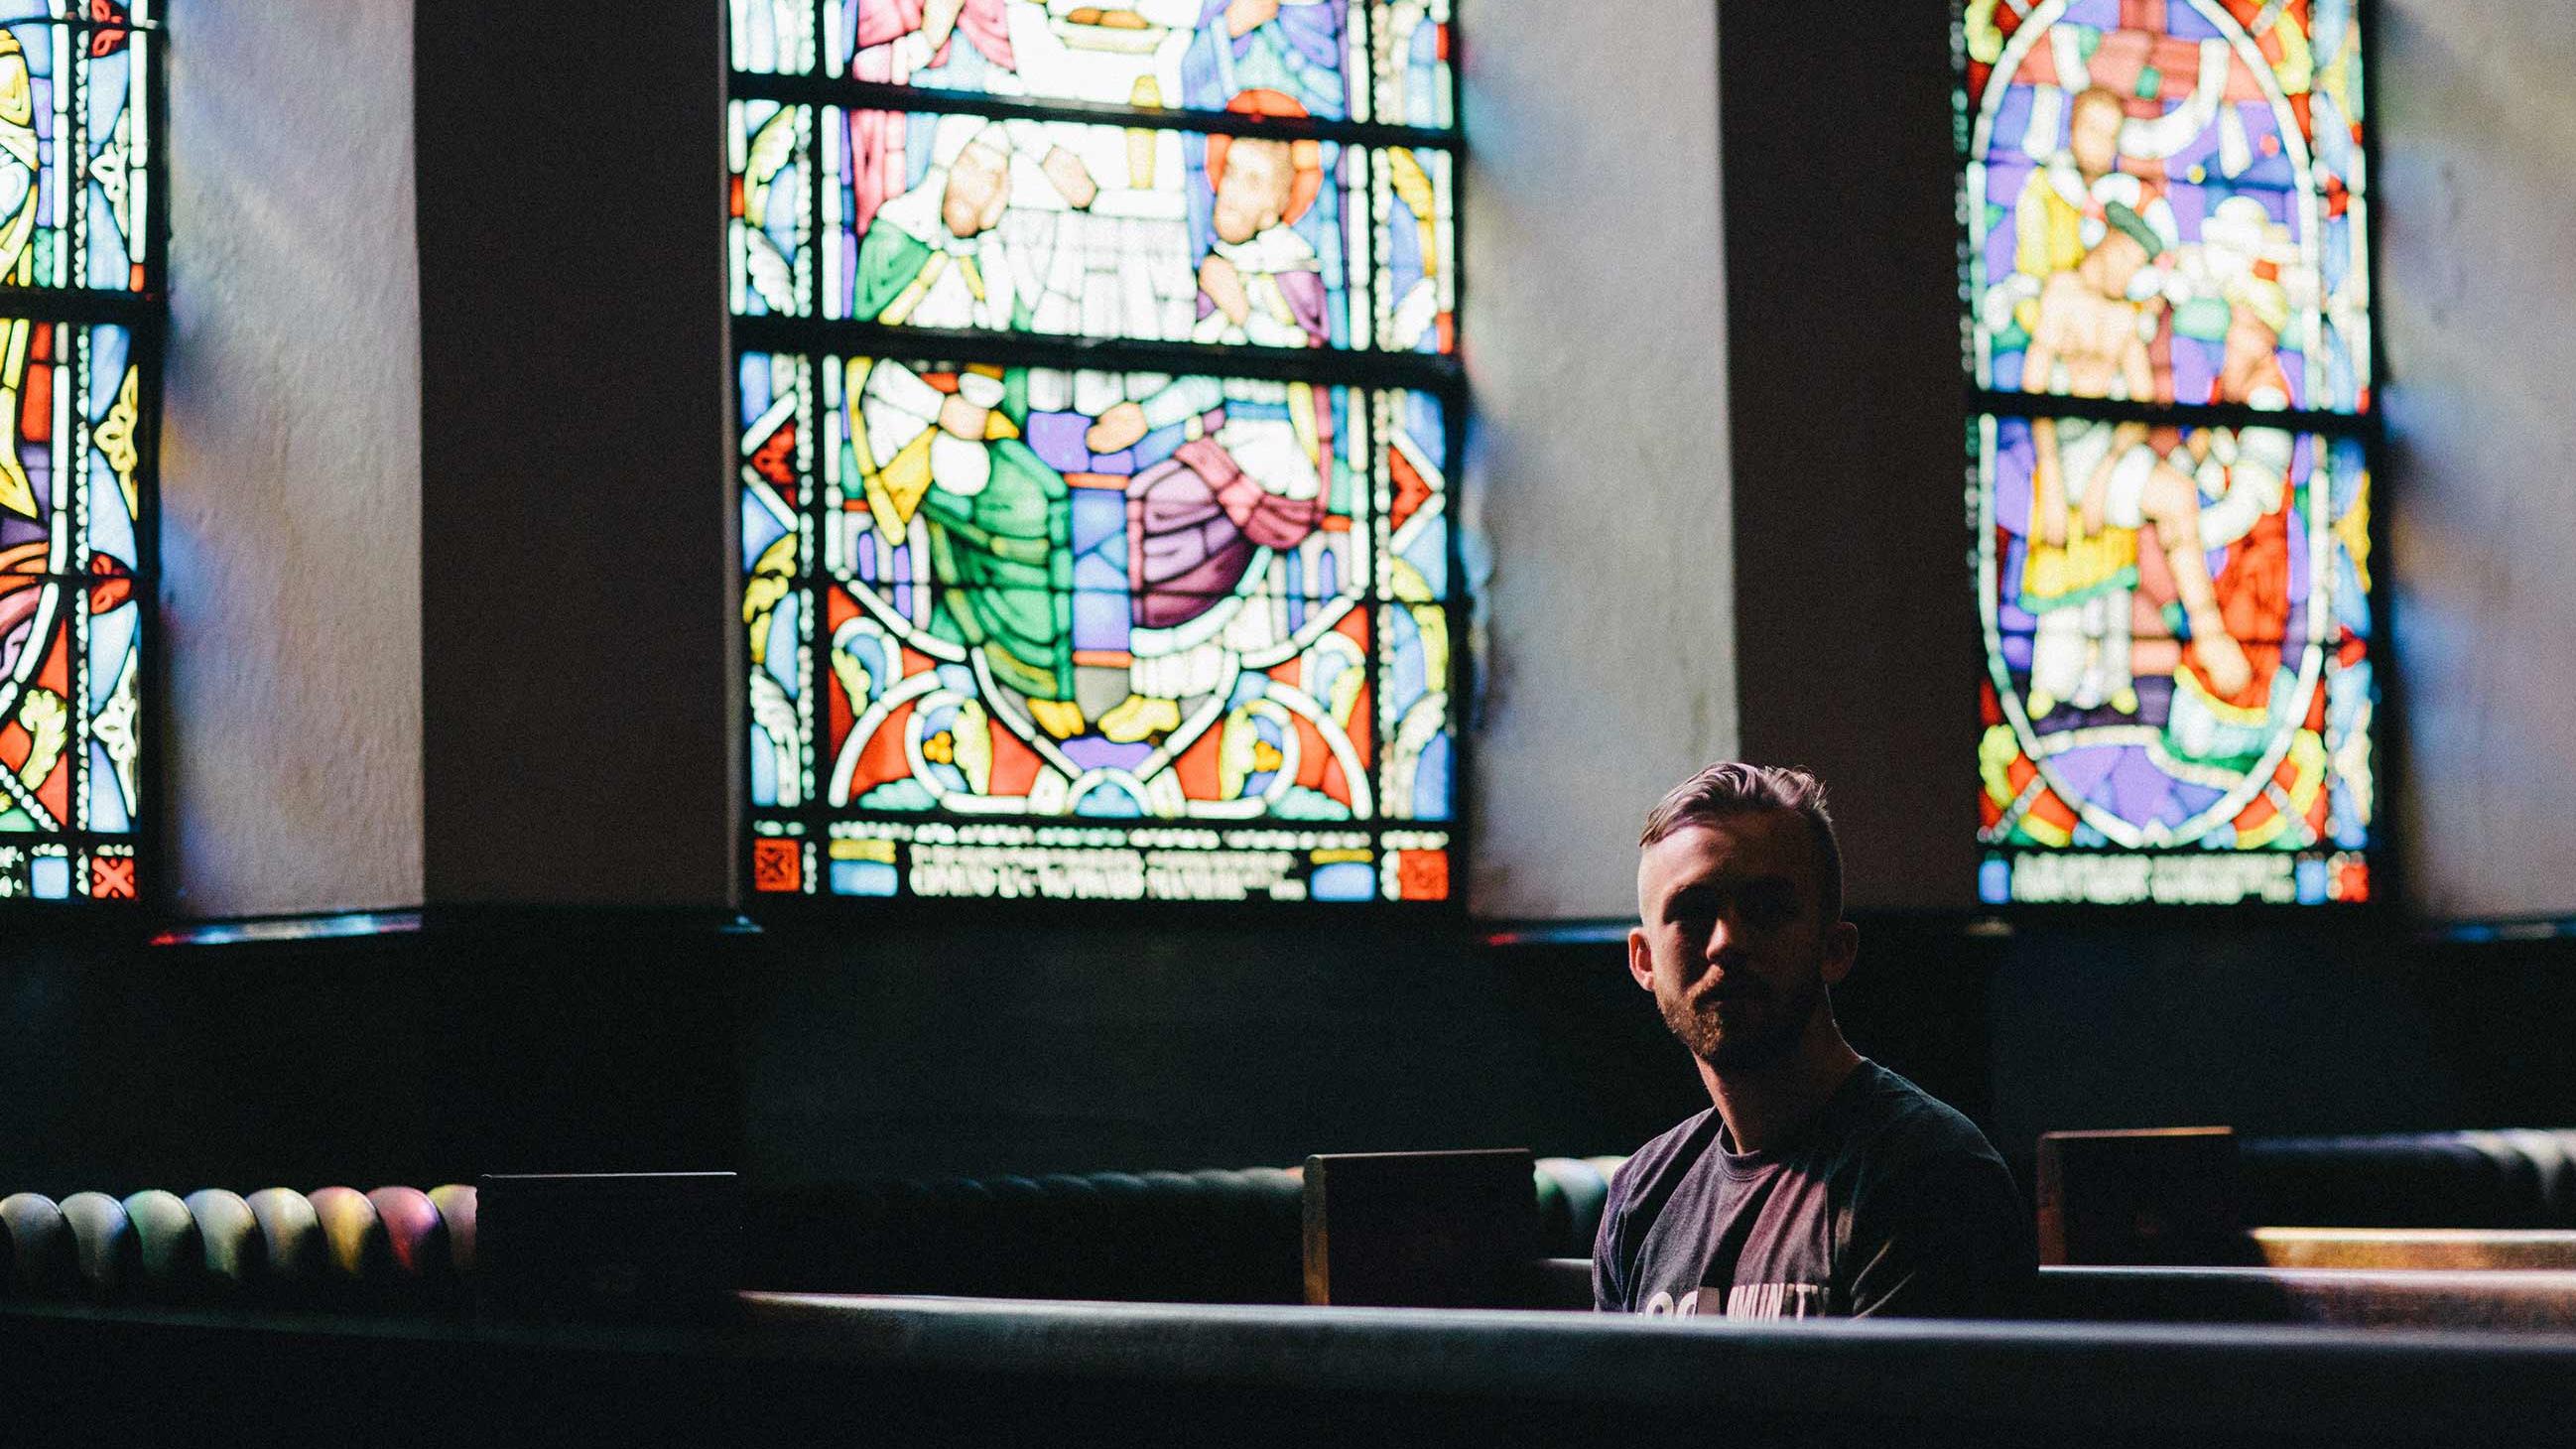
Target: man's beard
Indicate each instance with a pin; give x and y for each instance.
(1766, 1029)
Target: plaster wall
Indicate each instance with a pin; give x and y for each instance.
(1596, 475)
(2477, 140)
(291, 538)
(290, 461)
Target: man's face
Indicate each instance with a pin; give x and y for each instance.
(2093, 136)
(972, 204)
(1253, 195)
(1730, 942)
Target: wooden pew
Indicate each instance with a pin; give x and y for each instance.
(2173, 1197)
(941, 1371)
(2488, 1300)
(2431, 1249)
(1420, 1229)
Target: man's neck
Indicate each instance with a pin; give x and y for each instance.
(1767, 1106)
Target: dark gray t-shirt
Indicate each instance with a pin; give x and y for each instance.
(1889, 1203)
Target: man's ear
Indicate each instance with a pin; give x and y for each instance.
(1842, 948)
(1641, 958)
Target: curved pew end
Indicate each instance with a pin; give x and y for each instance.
(170, 1255)
(291, 1238)
(358, 1258)
(40, 1246)
(230, 1235)
(456, 1203)
(415, 1238)
(103, 1244)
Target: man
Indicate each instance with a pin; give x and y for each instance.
(1820, 1183)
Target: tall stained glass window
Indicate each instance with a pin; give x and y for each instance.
(1098, 397)
(80, 324)
(2167, 321)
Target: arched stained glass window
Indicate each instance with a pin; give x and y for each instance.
(81, 308)
(1098, 402)
(2168, 329)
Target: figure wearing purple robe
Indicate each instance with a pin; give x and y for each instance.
(1215, 531)
(1193, 523)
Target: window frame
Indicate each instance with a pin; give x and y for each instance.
(2365, 427)
(1439, 375)
(143, 311)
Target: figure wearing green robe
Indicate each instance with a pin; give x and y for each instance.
(1000, 534)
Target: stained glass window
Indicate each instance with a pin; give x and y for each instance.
(80, 320)
(2168, 330)
(1097, 405)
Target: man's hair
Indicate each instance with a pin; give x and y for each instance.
(1731, 789)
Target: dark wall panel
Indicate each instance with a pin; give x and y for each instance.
(557, 1041)
(1002, 1047)
(575, 504)
(1856, 630)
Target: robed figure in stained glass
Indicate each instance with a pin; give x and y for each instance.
(999, 527)
(2083, 562)
(1260, 281)
(1247, 480)
(896, 40)
(1289, 46)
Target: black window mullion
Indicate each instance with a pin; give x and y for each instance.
(883, 96)
(1020, 349)
(2180, 415)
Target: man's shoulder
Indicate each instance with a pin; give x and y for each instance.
(1893, 1124)
(1669, 1151)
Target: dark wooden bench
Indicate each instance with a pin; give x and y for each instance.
(931, 1371)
